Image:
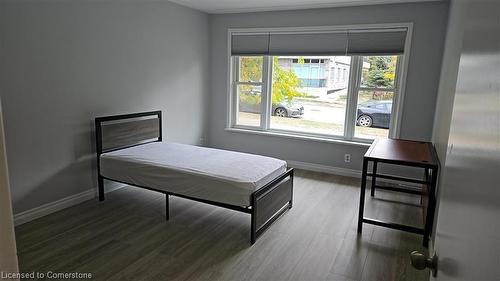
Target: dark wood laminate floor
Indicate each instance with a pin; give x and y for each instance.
(127, 238)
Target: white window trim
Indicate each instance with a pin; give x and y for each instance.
(348, 137)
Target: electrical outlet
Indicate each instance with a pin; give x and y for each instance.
(347, 158)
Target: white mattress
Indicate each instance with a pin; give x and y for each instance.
(205, 173)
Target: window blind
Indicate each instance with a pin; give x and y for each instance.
(332, 43)
(376, 43)
(249, 44)
(308, 44)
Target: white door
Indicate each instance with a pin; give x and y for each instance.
(8, 256)
(467, 239)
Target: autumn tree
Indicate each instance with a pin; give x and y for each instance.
(286, 83)
(251, 69)
(381, 74)
(382, 71)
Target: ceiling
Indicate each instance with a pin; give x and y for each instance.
(238, 6)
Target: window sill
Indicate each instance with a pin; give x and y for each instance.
(299, 137)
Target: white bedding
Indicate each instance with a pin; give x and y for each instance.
(205, 173)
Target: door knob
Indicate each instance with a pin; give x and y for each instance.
(421, 262)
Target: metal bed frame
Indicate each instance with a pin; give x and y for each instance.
(117, 132)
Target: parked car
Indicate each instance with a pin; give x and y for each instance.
(282, 109)
(374, 114)
(285, 109)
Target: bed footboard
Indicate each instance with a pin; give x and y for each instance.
(269, 202)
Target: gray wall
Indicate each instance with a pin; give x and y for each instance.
(422, 84)
(62, 63)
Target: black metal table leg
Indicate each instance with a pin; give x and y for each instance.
(362, 196)
(427, 178)
(167, 206)
(431, 207)
(374, 178)
(100, 185)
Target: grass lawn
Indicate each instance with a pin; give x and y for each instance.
(309, 126)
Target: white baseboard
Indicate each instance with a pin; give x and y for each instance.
(324, 169)
(52, 207)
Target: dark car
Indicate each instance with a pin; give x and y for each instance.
(374, 114)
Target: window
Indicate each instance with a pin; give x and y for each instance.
(375, 96)
(336, 96)
(315, 107)
(248, 90)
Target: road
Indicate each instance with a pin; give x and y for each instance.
(316, 111)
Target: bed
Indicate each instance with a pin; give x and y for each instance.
(130, 149)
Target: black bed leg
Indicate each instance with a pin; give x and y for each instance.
(252, 231)
(253, 221)
(100, 186)
(290, 203)
(167, 206)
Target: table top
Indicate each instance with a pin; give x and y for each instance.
(404, 152)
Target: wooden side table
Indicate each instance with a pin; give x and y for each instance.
(403, 153)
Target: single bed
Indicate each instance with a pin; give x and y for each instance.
(130, 150)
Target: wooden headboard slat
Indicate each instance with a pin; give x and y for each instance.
(127, 133)
(120, 131)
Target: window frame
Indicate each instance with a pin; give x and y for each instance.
(263, 95)
(355, 86)
(353, 103)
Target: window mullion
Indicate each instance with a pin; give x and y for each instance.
(352, 96)
(265, 95)
(396, 107)
(361, 88)
(234, 90)
(250, 83)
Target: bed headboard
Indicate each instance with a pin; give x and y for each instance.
(121, 131)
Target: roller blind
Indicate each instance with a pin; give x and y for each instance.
(334, 43)
(308, 44)
(250, 44)
(376, 43)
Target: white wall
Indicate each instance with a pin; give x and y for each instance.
(62, 63)
(422, 84)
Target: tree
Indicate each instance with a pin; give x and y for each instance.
(286, 83)
(251, 69)
(381, 72)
